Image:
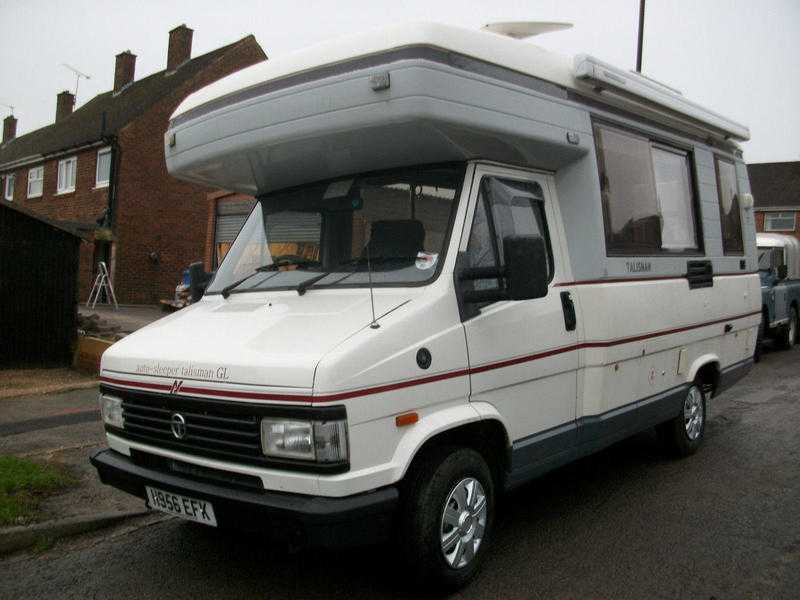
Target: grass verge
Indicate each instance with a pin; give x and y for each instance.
(23, 483)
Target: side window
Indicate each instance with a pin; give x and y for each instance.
(505, 207)
(647, 193)
(729, 215)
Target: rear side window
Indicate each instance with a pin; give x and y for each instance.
(647, 194)
(729, 215)
(505, 207)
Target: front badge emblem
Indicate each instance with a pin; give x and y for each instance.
(178, 426)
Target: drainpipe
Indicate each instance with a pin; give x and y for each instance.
(111, 212)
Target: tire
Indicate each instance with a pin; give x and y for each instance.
(446, 476)
(684, 434)
(790, 332)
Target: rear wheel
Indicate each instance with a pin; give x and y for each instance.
(448, 514)
(789, 334)
(684, 434)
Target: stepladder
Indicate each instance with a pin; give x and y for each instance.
(102, 286)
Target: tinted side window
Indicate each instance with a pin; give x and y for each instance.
(505, 207)
(729, 215)
(627, 187)
(647, 194)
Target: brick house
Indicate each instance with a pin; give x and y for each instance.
(776, 194)
(101, 168)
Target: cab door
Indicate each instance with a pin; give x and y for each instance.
(523, 355)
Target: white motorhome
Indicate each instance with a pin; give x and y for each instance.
(470, 261)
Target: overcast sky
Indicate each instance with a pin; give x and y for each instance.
(737, 57)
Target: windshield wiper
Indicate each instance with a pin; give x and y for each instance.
(304, 285)
(226, 291)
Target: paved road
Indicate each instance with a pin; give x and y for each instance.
(626, 523)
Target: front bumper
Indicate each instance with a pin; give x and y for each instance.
(300, 520)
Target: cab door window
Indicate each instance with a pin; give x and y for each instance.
(505, 207)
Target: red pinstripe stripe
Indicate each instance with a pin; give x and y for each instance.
(422, 380)
(639, 279)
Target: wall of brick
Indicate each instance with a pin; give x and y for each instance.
(162, 224)
(85, 205)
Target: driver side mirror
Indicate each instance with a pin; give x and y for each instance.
(525, 272)
(783, 271)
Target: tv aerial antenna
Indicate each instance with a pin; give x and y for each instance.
(78, 75)
(9, 107)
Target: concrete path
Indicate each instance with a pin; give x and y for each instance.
(64, 429)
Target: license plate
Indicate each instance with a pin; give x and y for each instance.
(184, 507)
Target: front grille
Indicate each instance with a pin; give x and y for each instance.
(220, 429)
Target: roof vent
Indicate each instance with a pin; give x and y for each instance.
(520, 30)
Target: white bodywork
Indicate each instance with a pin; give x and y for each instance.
(514, 54)
(514, 363)
(791, 250)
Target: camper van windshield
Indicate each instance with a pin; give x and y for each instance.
(395, 223)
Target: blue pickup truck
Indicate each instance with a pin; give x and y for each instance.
(779, 268)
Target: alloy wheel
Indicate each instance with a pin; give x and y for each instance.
(463, 522)
(693, 413)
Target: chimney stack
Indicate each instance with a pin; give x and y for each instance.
(9, 128)
(65, 102)
(124, 69)
(180, 47)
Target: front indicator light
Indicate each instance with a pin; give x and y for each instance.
(318, 441)
(111, 411)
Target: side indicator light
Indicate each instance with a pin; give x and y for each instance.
(406, 419)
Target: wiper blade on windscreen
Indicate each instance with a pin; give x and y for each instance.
(226, 291)
(304, 285)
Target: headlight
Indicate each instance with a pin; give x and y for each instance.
(320, 441)
(111, 411)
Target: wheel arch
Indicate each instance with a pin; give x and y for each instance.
(706, 368)
(486, 432)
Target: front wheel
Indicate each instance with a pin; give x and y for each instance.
(789, 336)
(684, 434)
(448, 515)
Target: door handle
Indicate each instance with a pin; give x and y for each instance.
(569, 311)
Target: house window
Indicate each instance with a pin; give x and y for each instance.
(729, 215)
(779, 221)
(9, 188)
(66, 175)
(647, 193)
(35, 179)
(103, 167)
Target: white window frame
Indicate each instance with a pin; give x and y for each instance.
(40, 179)
(98, 183)
(71, 186)
(8, 190)
(780, 215)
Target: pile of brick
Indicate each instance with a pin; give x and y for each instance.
(94, 325)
